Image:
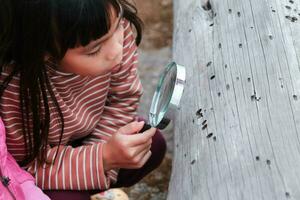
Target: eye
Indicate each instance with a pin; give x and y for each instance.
(95, 53)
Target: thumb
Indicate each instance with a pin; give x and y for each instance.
(131, 128)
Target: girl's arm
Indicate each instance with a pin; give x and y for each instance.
(79, 168)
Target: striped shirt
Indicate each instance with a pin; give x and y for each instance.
(93, 108)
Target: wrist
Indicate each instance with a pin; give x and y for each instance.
(106, 158)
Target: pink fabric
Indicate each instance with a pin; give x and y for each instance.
(20, 183)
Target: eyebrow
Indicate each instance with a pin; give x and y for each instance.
(92, 46)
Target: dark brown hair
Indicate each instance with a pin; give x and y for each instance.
(30, 29)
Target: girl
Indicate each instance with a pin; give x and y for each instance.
(69, 94)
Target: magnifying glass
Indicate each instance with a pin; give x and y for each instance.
(167, 95)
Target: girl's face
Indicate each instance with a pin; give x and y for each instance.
(99, 56)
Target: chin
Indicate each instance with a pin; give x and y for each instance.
(117, 62)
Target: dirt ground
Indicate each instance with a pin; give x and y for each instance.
(155, 50)
(158, 19)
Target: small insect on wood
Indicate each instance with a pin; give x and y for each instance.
(288, 7)
(208, 64)
(271, 37)
(295, 97)
(199, 113)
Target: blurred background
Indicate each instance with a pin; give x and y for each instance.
(154, 54)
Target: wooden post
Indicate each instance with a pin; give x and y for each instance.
(237, 132)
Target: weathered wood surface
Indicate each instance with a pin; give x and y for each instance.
(242, 59)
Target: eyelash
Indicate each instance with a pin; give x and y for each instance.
(95, 53)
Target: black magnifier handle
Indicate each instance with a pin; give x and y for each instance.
(145, 128)
(163, 124)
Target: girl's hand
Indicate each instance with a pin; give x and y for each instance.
(126, 149)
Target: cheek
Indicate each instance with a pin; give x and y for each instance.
(70, 62)
(84, 65)
(78, 64)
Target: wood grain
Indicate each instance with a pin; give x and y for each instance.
(242, 59)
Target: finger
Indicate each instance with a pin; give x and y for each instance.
(151, 130)
(146, 158)
(138, 139)
(143, 157)
(142, 154)
(131, 128)
(138, 149)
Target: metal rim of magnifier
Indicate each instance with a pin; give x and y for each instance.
(174, 99)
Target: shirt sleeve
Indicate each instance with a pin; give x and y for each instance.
(123, 97)
(68, 168)
(79, 168)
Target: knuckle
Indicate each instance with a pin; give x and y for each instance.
(136, 161)
(130, 155)
(132, 125)
(125, 144)
(145, 139)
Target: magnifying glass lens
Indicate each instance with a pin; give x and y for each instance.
(168, 92)
(163, 95)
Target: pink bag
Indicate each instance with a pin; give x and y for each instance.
(15, 183)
